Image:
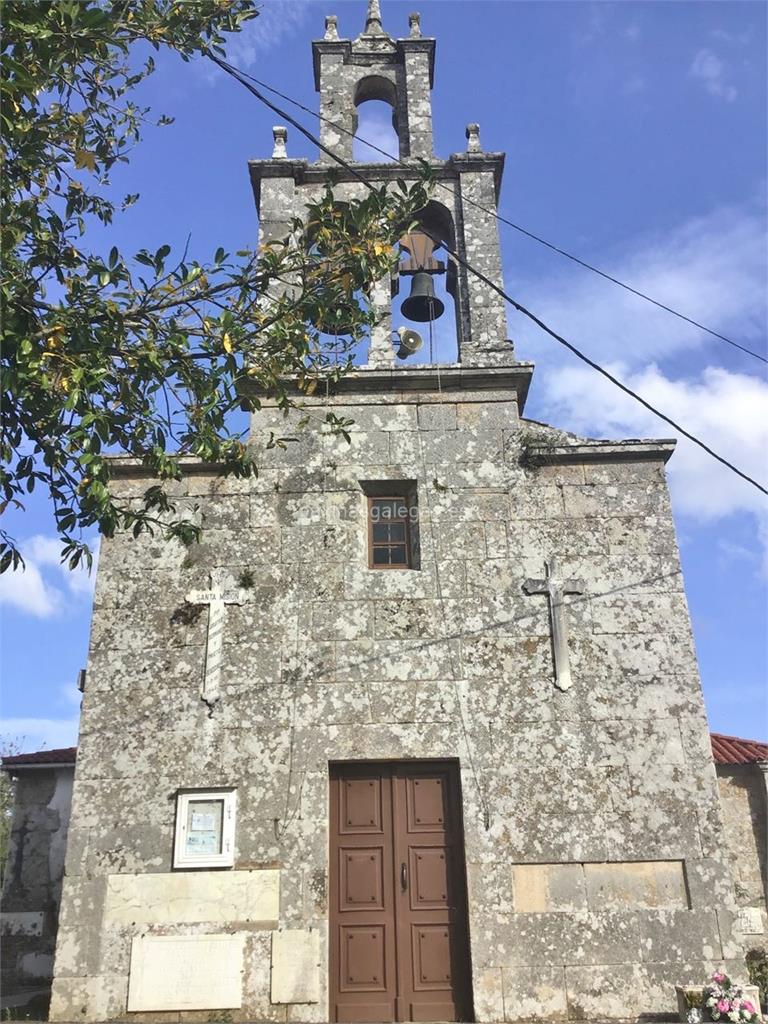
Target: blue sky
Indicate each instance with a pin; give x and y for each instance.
(635, 136)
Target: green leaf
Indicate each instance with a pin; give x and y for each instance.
(84, 159)
(128, 355)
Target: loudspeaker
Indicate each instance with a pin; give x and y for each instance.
(410, 342)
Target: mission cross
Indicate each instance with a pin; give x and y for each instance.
(217, 598)
(556, 588)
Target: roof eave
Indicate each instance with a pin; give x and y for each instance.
(627, 450)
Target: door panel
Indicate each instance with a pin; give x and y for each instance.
(363, 966)
(362, 879)
(431, 912)
(399, 948)
(428, 877)
(361, 805)
(428, 809)
(362, 926)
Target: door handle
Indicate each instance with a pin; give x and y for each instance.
(403, 876)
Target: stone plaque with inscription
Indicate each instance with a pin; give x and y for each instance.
(186, 972)
(750, 920)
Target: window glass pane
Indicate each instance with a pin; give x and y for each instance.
(389, 533)
(205, 819)
(397, 555)
(384, 509)
(381, 556)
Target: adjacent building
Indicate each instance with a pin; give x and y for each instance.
(33, 873)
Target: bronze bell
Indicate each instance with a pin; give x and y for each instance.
(422, 304)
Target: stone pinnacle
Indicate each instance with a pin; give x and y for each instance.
(373, 26)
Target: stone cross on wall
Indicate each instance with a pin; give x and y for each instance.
(556, 588)
(217, 598)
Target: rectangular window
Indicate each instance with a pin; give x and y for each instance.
(205, 829)
(390, 532)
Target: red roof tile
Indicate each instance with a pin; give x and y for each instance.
(63, 755)
(732, 750)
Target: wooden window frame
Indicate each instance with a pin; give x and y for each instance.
(226, 858)
(405, 499)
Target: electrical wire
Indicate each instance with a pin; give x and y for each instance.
(509, 223)
(234, 73)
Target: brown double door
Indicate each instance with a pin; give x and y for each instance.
(398, 903)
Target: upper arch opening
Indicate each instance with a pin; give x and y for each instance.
(376, 120)
(376, 87)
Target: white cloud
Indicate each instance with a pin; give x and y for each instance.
(598, 15)
(375, 126)
(26, 735)
(31, 734)
(69, 695)
(277, 20)
(42, 587)
(603, 19)
(709, 69)
(738, 38)
(26, 590)
(730, 553)
(725, 410)
(712, 268)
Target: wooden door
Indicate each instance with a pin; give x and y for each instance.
(399, 947)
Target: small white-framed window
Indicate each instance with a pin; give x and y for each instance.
(205, 829)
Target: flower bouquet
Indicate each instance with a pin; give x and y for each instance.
(726, 1002)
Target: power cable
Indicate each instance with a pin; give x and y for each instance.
(234, 73)
(510, 223)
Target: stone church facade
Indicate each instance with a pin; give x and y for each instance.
(456, 767)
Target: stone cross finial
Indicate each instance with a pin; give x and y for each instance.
(217, 598)
(556, 588)
(473, 138)
(373, 25)
(280, 135)
(414, 21)
(331, 27)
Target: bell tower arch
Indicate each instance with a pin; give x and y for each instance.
(374, 66)
(400, 72)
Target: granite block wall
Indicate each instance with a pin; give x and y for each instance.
(595, 881)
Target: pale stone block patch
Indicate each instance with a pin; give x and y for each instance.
(196, 897)
(488, 994)
(636, 884)
(103, 995)
(618, 885)
(295, 966)
(548, 887)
